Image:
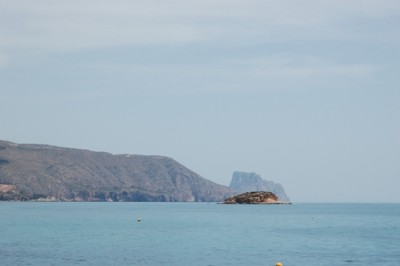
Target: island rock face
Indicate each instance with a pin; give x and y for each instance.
(246, 182)
(49, 173)
(255, 197)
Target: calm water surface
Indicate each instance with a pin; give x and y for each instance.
(198, 234)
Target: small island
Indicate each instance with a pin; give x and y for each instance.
(255, 197)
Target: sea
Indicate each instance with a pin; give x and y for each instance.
(183, 234)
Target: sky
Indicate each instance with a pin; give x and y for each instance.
(303, 93)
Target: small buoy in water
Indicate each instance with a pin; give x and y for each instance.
(279, 264)
(138, 220)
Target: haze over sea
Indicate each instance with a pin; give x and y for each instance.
(198, 234)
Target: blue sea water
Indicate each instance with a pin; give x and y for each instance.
(198, 234)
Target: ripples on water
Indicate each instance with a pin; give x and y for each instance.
(199, 234)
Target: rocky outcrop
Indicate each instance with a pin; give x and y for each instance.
(42, 172)
(255, 197)
(245, 182)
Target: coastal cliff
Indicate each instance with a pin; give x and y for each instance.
(50, 173)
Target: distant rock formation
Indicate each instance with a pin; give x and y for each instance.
(49, 173)
(246, 182)
(255, 197)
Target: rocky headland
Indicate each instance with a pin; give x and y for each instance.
(50, 173)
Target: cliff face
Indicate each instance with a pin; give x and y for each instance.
(42, 172)
(246, 182)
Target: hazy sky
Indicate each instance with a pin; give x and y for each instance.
(304, 93)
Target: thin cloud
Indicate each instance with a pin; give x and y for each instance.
(71, 25)
(56, 30)
(294, 66)
(3, 60)
(280, 71)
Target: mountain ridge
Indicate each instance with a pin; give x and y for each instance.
(45, 172)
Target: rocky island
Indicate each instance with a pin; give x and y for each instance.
(255, 197)
(247, 182)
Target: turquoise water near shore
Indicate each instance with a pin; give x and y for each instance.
(198, 234)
